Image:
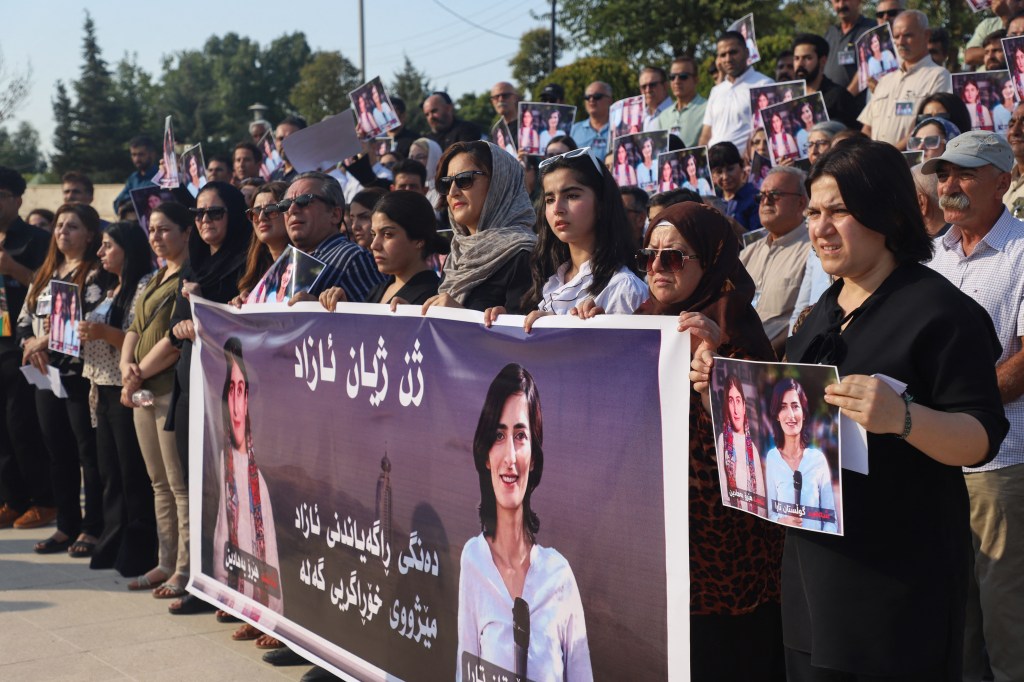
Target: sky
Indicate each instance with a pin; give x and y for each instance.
(437, 35)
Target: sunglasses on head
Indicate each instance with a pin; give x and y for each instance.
(926, 142)
(463, 180)
(213, 213)
(596, 97)
(573, 154)
(270, 210)
(671, 259)
(302, 201)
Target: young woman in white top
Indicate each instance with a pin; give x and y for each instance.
(584, 243)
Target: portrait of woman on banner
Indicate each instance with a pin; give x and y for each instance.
(245, 517)
(799, 479)
(504, 566)
(742, 460)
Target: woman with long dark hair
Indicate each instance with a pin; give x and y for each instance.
(504, 563)
(742, 460)
(65, 423)
(129, 541)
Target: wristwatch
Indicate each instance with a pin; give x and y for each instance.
(907, 425)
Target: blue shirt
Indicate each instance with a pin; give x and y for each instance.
(743, 208)
(347, 265)
(135, 180)
(585, 136)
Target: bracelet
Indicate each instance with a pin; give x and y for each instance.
(907, 425)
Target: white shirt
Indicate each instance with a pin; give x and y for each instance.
(624, 293)
(728, 111)
(246, 529)
(651, 120)
(991, 275)
(558, 632)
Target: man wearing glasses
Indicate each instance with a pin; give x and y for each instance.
(776, 263)
(888, 10)
(505, 100)
(313, 207)
(655, 91)
(687, 114)
(593, 131)
(727, 117)
(810, 53)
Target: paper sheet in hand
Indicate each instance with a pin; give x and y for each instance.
(48, 382)
(323, 145)
(854, 437)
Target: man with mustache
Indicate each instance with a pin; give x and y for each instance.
(983, 254)
(1014, 197)
(842, 38)
(810, 54)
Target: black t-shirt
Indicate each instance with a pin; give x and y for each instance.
(506, 287)
(888, 598)
(28, 246)
(840, 104)
(416, 291)
(461, 131)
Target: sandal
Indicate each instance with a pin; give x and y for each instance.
(245, 633)
(170, 590)
(144, 582)
(225, 617)
(52, 546)
(268, 642)
(81, 549)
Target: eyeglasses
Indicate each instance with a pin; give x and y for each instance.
(926, 142)
(888, 13)
(671, 259)
(213, 213)
(302, 201)
(270, 210)
(596, 97)
(648, 86)
(463, 180)
(819, 144)
(573, 154)
(773, 195)
(680, 76)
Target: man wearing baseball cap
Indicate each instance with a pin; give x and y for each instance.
(983, 254)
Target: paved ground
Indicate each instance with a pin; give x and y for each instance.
(59, 620)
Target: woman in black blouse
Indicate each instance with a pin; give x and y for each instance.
(887, 600)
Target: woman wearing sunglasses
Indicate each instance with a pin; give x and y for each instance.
(492, 220)
(945, 105)
(270, 239)
(691, 257)
(931, 135)
(883, 602)
(583, 252)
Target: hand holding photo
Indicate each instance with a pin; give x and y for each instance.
(875, 55)
(375, 115)
(788, 126)
(540, 122)
(686, 168)
(170, 177)
(293, 272)
(763, 96)
(65, 314)
(625, 117)
(193, 170)
(635, 159)
(745, 26)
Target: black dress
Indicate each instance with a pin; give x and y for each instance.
(416, 291)
(888, 598)
(506, 287)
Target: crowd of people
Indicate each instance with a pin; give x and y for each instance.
(850, 258)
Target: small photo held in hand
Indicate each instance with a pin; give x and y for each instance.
(145, 199)
(777, 442)
(502, 136)
(687, 169)
(65, 314)
(763, 96)
(745, 27)
(271, 157)
(635, 159)
(989, 97)
(875, 55)
(170, 177)
(193, 170)
(625, 117)
(788, 126)
(375, 115)
(540, 122)
(293, 272)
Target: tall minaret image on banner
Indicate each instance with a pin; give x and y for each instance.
(384, 498)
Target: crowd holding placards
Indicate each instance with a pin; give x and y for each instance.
(784, 224)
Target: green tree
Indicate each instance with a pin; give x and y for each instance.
(20, 151)
(65, 139)
(476, 108)
(412, 86)
(533, 61)
(577, 76)
(135, 95)
(97, 115)
(323, 86)
(14, 89)
(281, 65)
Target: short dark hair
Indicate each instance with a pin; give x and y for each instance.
(411, 167)
(220, 158)
(656, 69)
(398, 103)
(293, 120)
(994, 37)
(368, 198)
(673, 197)
(733, 35)
(142, 141)
(78, 179)
(257, 155)
(781, 388)
(564, 139)
(686, 59)
(724, 154)
(45, 213)
(941, 35)
(640, 197)
(784, 53)
(879, 192)
(12, 181)
(511, 380)
(819, 44)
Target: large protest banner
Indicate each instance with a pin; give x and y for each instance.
(335, 497)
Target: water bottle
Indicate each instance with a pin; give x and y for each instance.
(142, 398)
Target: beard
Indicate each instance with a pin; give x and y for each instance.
(806, 75)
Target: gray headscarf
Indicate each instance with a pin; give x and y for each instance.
(505, 229)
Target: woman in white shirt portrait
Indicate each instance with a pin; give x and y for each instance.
(504, 563)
